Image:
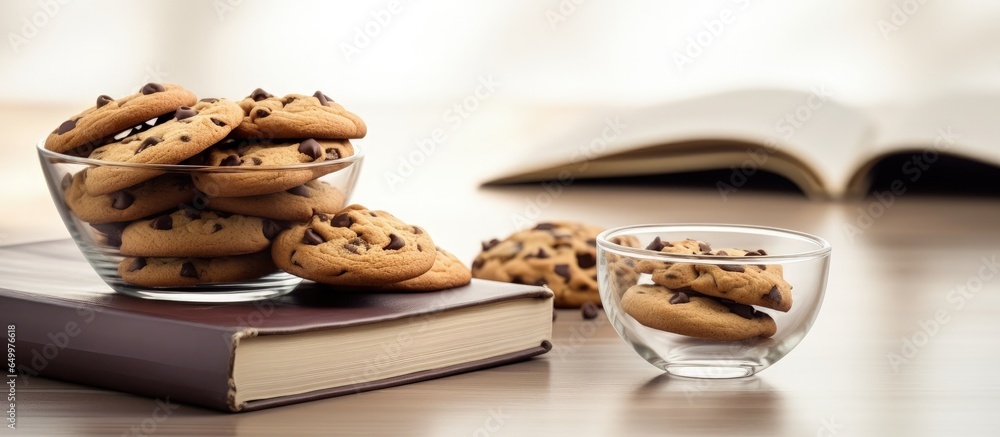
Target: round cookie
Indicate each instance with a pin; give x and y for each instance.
(696, 316)
(447, 272)
(561, 255)
(191, 131)
(297, 116)
(143, 200)
(244, 155)
(110, 116)
(189, 232)
(182, 272)
(294, 205)
(758, 284)
(355, 247)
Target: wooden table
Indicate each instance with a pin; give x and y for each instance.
(886, 286)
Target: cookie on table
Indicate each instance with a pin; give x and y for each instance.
(182, 272)
(694, 315)
(189, 232)
(192, 130)
(447, 272)
(355, 247)
(758, 284)
(297, 116)
(112, 116)
(151, 197)
(296, 204)
(278, 153)
(561, 255)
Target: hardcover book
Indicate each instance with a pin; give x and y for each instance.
(313, 343)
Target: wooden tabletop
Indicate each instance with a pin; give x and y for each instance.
(876, 362)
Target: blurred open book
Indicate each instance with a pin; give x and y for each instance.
(827, 149)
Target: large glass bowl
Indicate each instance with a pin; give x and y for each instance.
(100, 241)
(804, 260)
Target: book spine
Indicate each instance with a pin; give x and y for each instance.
(80, 342)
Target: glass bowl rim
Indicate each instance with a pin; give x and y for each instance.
(359, 153)
(823, 250)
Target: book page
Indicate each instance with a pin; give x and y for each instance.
(781, 126)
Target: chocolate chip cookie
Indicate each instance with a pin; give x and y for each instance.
(695, 315)
(296, 204)
(447, 272)
(297, 116)
(191, 131)
(561, 255)
(111, 116)
(189, 232)
(758, 284)
(257, 157)
(151, 197)
(356, 246)
(182, 272)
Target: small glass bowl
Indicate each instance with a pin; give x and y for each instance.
(804, 259)
(100, 242)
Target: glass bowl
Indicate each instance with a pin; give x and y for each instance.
(689, 321)
(193, 189)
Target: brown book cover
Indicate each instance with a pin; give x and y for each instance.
(69, 325)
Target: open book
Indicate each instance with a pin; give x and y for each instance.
(827, 149)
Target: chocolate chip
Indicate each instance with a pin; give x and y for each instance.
(540, 254)
(589, 310)
(323, 98)
(188, 271)
(185, 138)
(477, 264)
(332, 154)
(256, 161)
(216, 227)
(103, 100)
(544, 227)
(151, 88)
(121, 200)
(66, 126)
(287, 100)
(487, 245)
(67, 180)
(751, 253)
(656, 245)
(137, 264)
(310, 147)
(761, 251)
(218, 122)
(263, 112)
(271, 229)
(352, 248)
(190, 211)
(341, 221)
(162, 223)
(417, 231)
(774, 295)
(704, 247)
(209, 100)
(148, 142)
(592, 242)
(231, 160)
(562, 270)
(586, 260)
(395, 243)
(732, 268)
(540, 282)
(372, 213)
(259, 94)
(312, 238)
(762, 266)
(722, 253)
(183, 112)
(744, 311)
(299, 191)
(679, 297)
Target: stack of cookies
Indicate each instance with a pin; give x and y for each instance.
(560, 255)
(708, 301)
